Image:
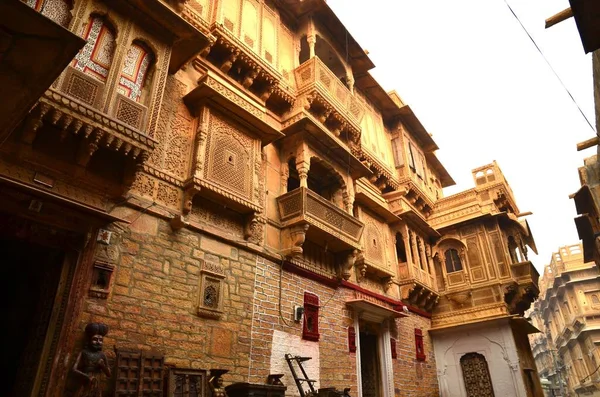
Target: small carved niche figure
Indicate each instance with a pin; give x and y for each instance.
(216, 382)
(91, 363)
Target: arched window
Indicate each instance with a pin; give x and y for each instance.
(57, 10)
(96, 56)
(453, 263)
(480, 178)
(135, 71)
(400, 249)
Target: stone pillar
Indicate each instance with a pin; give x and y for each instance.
(312, 40)
(414, 248)
(424, 256)
(303, 167)
(350, 80)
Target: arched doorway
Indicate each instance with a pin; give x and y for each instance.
(476, 375)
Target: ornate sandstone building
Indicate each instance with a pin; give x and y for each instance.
(222, 183)
(567, 314)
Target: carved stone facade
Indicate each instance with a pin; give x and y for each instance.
(566, 349)
(203, 170)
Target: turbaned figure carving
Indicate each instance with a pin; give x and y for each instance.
(91, 363)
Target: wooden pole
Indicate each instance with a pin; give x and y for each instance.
(557, 18)
(587, 144)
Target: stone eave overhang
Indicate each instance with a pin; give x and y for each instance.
(315, 133)
(212, 89)
(186, 39)
(368, 196)
(408, 117)
(296, 10)
(25, 34)
(97, 212)
(587, 18)
(445, 177)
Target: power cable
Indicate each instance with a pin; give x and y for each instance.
(550, 66)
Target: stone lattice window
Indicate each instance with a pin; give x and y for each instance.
(135, 70)
(210, 302)
(476, 375)
(96, 57)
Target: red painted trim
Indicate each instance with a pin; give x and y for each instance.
(418, 311)
(335, 283)
(292, 268)
(384, 298)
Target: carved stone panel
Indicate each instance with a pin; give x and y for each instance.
(230, 155)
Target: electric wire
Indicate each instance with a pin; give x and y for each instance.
(550, 66)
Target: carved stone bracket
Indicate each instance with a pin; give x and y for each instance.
(347, 263)
(387, 282)
(252, 67)
(297, 235)
(254, 229)
(361, 266)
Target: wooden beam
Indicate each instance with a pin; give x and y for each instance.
(587, 143)
(557, 18)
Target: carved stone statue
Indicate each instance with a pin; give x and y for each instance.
(91, 363)
(216, 382)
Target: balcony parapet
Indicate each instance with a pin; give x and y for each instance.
(302, 205)
(323, 94)
(306, 215)
(98, 129)
(523, 290)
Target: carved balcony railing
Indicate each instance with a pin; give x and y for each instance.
(329, 99)
(303, 207)
(524, 273)
(76, 114)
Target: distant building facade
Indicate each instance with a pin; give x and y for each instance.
(567, 312)
(223, 183)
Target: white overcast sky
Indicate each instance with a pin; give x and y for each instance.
(478, 84)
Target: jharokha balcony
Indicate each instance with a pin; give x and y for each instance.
(97, 129)
(524, 287)
(324, 99)
(306, 215)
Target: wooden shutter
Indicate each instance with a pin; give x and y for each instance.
(139, 374)
(411, 157)
(397, 152)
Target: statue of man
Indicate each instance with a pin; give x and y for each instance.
(91, 363)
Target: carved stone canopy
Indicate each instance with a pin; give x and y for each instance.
(22, 80)
(213, 88)
(371, 311)
(187, 40)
